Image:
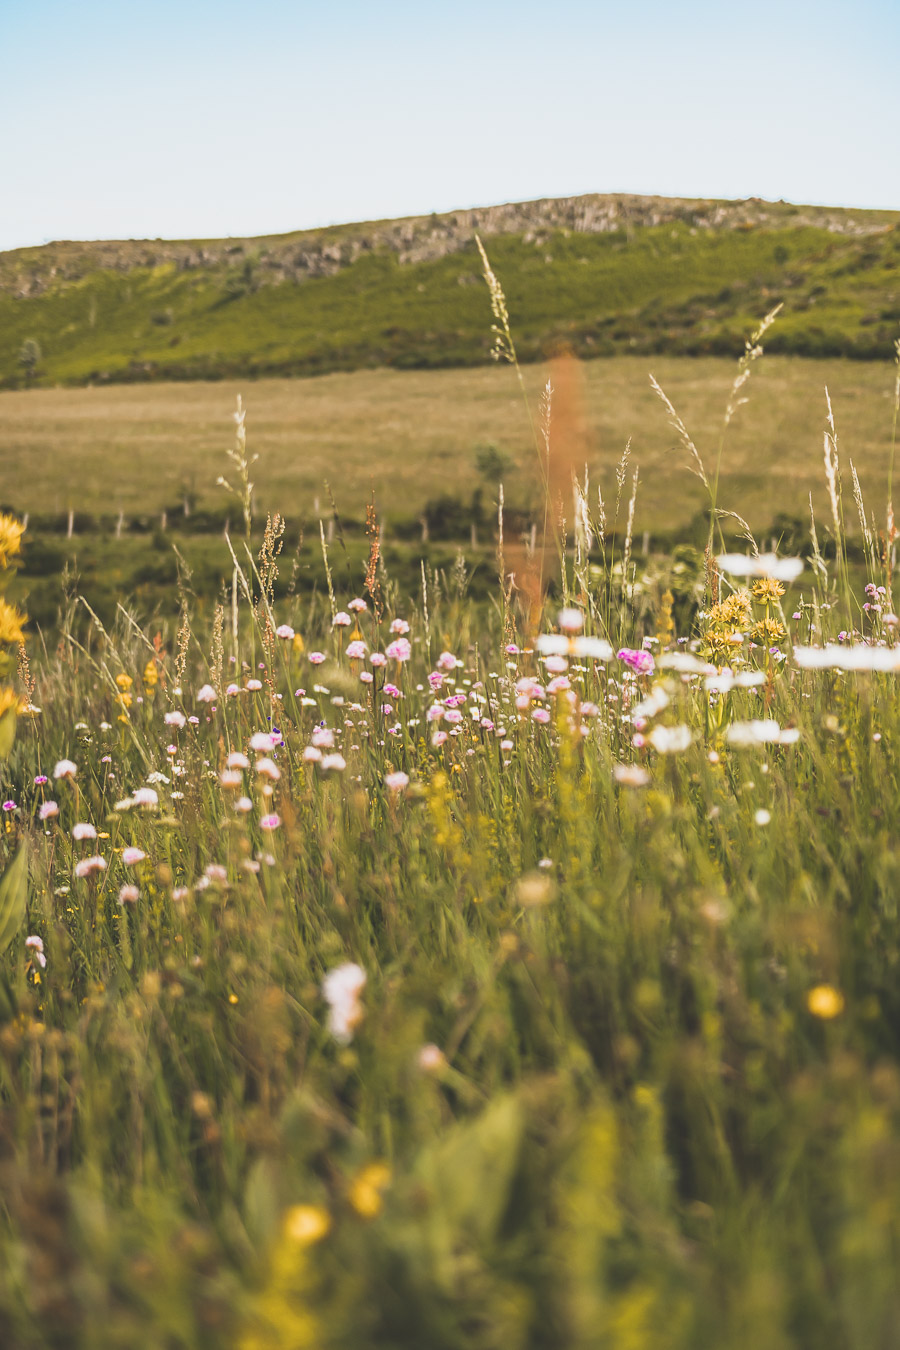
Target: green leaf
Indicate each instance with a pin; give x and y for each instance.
(13, 891)
(7, 731)
(470, 1173)
(9, 1005)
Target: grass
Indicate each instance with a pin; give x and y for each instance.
(651, 289)
(514, 989)
(412, 436)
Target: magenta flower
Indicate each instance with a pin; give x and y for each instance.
(641, 662)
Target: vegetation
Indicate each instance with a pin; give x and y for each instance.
(386, 967)
(693, 284)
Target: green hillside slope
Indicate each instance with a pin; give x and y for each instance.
(680, 278)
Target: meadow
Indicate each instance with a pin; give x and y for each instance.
(601, 276)
(386, 966)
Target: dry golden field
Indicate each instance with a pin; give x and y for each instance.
(413, 435)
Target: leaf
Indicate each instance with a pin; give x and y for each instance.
(470, 1173)
(7, 731)
(9, 1005)
(13, 891)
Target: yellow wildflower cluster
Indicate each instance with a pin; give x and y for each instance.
(767, 590)
(725, 627)
(365, 1194)
(12, 622)
(11, 531)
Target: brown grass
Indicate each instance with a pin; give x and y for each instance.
(412, 435)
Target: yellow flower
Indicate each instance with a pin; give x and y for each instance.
(11, 531)
(124, 699)
(366, 1189)
(10, 699)
(298, 644)
(306, 1224)
(825, 1001)
(767, 589)
(11, 622)
(150, 675)
(768, 632)
(124, 682)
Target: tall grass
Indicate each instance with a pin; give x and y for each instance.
(501, 990)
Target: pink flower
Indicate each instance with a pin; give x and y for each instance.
(86, 866)
(263, 740)
(206, 694)
(83, 831)
(366, 676)
(378, 659)
(232, 690)
(65, 769)
(269, 768)
(231, 778)
(237, 760)
(175, 718)
(399, 650)
(541, 715)
(438, 739)
(284, 630)
(341, 620)
(270, 822)
(36, 945)
(48, 810)
(396, 782)
(570, 620)
(145, 796)
(446, 661)
(356, 651)
(399, 626)
(316, 658)
(335, 762)
(129, 895)
(130, 856)
(640, 661)
(254, 685)
(358, 605)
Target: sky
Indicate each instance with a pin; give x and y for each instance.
(200, 120)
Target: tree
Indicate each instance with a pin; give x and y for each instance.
(29, 358)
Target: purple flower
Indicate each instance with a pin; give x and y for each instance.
(641, 662)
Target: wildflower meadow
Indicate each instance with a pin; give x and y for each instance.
(382, 969)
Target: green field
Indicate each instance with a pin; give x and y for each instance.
(412, 436)
(410, 295)
(614, 1060)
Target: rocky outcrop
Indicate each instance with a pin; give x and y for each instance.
(318, 253)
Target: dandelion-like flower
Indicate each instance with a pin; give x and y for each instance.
(36, 945)
(341, 989)
(87, 866)
(65, 769)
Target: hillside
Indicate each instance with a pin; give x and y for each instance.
(602, 274)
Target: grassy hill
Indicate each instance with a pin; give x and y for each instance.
(603, 275)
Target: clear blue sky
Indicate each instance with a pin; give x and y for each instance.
(193, 119)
